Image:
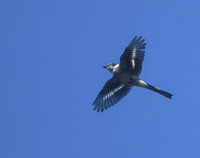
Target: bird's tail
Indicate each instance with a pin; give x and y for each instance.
(148, 86)
(164, 93)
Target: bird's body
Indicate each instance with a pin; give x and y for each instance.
(125, 76)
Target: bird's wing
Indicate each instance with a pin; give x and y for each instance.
(112, 92)
(133, 56)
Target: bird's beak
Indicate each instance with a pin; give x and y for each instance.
(104, 66)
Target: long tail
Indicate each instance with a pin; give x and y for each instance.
(164, 93)
(148, 86)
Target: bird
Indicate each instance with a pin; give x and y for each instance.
(125, 76)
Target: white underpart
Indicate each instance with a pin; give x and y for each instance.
(141, 83)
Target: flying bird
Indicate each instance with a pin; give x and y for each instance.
(125, 76)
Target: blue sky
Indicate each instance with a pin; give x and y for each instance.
(51, 59)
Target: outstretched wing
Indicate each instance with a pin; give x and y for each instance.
(112, 92)
(133, 56)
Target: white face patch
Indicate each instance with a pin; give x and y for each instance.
(116, 66)
(112, 68)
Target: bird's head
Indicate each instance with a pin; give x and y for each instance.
(112, 67)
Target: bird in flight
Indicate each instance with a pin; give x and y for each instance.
(125, 76)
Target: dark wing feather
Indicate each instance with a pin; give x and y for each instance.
(112, 92)
(133, 56)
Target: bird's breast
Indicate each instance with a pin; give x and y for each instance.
(126, 77)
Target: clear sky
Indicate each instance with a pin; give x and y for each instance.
(51, 58)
